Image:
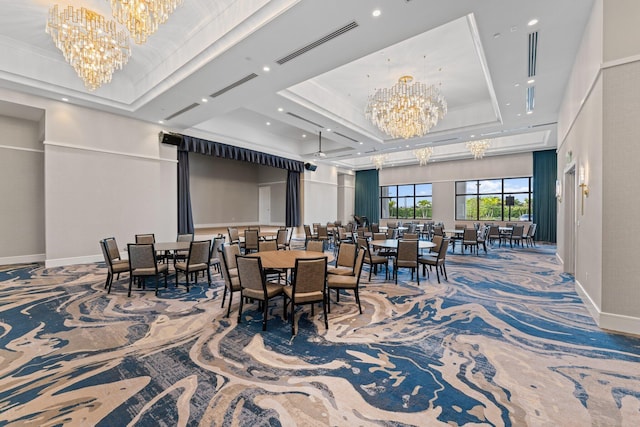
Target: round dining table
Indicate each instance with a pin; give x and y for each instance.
(393, 244)
(287, 259)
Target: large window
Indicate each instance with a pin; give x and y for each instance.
(411, 201)
(507, 199)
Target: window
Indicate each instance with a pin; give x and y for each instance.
(507, 199)
(410, 201)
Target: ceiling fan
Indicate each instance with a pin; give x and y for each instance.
(320, 153)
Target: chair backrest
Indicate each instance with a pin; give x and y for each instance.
(438, 230)
(199, 252)
(310, 275)
(145, 238)
(379, 236)
(315, 246)
(105, 253)
(410, 236)
(216, 244)
(437, 241)
(281, 238)
(470, 235)
(392, 224)
(267, 245)
(357, 268)
(442, 253)
(234, 237)
(185, 237)
(142, 255)
(315, 226)
(494, 231)
(225, 264)
(346, 255)
(253, 227)
(322, 232)
(307, 232)
(363, 246)
(230, 252)
(517, 230)
(407, 250)
(532, 230)
(112, 248)
(411, 229)
(250, 272)
(460, 226)
(251, 239)
(375, 227)
(337, 223)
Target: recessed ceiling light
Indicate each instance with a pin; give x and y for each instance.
(65, 99)
(517, 84)
(376, 13)
(266, 69)
(496, 35)
(532, 22)
(205, 100)
(472, 136)
(507, 104)
(304, 136)
(529, 112)
(268, 123)
(361, 142)
(281, 109)
(531, 81)
(161, 121)
(328, 130)
(519, 114)
(359, 154)
(407, 145)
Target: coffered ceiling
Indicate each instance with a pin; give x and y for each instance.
(204, 72)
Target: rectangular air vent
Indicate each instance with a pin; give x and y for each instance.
(533, 53)
(234, 85)
(350, 26)
(306, 120)
(184, 110)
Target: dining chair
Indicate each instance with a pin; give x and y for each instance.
(373, 260)
(214, 257)
(494, 234)
(516, 235)
(281, 239)
(315, 246)
(375, 227)
(346, 282)
(437, 261)
(345, 262)
(145, 238)
(251, 238)
(308, 235)
(234, 237)
(470, 239)
(308, 287)
(272, 245)
(181, 255)
(143, 263)
(530, 239)
(323, 234)
(197, 260)
(254, 285)
(231, 282)
(407, 257)
(114, 264)
(483, 237)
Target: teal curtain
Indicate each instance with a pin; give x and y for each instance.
(544, 194)
(367, 201)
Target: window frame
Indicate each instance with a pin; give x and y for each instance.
(409, 198)
(505, 214)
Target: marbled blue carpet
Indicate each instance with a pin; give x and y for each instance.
(506, 341)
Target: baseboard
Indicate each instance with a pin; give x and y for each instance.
(22, 259)
(238, 224)
(560, 260)
(609, 321)
(61, 262)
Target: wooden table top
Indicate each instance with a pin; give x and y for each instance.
(287, 259)
(393, 244)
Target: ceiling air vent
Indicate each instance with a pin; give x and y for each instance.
(184, 110)
(234, 85)
(345, 136)
(303, 119)
(350, 26)
(533, 53)
(531, 94)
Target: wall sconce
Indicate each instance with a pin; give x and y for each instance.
(558, 191)
(583, 187)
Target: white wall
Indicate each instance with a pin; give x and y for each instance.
(320, 195)
(21, 191)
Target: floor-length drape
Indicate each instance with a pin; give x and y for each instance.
(367, 202)
(293, 199)
(544, 200)
(185, 215)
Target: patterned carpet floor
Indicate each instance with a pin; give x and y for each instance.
(506, 341)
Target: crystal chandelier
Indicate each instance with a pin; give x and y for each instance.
(378, 160)
(142, 17)
(89, 43)
(478, 148)
(406, 109)
(423, 155)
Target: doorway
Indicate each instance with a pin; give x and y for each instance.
(264, 205)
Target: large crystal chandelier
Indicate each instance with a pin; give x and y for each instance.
(423, 155)
(89, 43)
(478, 148)
(378, 160)
(142, 17)
(406, 109)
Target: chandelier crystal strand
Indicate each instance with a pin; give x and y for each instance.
(142, 17)
(423, 155)
(378, 160)
(90, 44)
(406, 109)
(478, 148)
